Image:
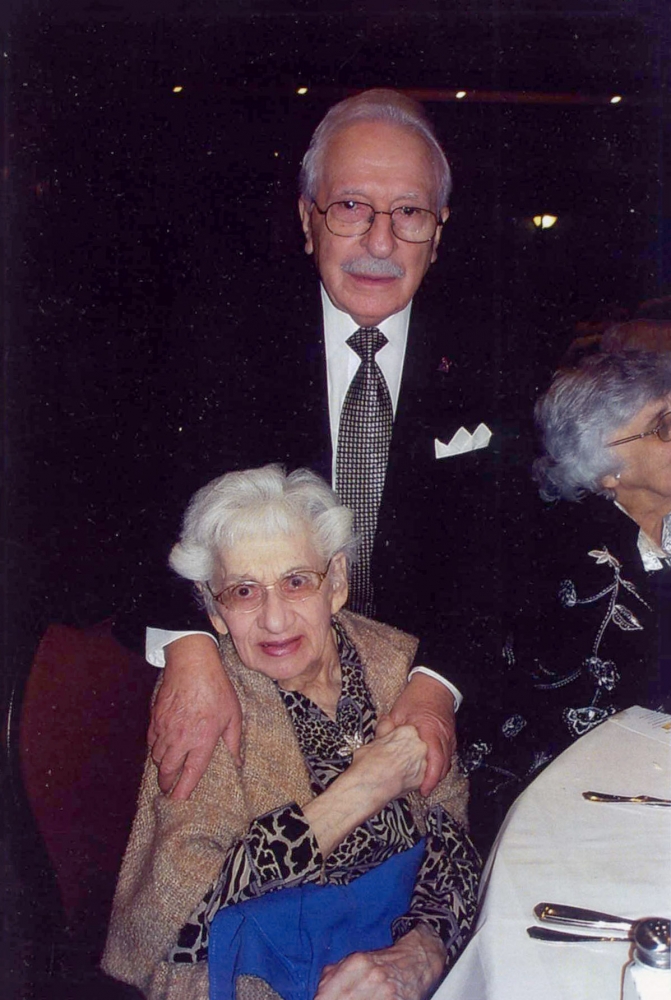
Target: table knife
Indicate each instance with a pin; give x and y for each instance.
(565, 937)
(644, 800)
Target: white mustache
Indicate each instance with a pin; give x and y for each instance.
(374, 267)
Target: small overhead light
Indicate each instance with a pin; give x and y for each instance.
(178, 89)
(615, 99)
(544, 221)
(276, 153)
(460, 94)
(302, 90)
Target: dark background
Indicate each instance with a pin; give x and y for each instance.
(132, 213)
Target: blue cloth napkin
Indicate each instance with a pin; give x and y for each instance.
(287, 937)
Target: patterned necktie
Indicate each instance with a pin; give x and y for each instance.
(361, 459)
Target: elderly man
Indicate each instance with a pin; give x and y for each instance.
(340, 392)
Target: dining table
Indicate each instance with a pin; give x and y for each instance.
(556, 846)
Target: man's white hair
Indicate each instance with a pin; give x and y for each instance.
(378, 105)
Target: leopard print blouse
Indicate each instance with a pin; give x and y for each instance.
(280, 849)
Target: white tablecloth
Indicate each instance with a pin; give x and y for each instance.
(557, 847)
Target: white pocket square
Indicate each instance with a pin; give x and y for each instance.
(463, 442)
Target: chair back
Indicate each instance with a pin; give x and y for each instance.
(82, 748)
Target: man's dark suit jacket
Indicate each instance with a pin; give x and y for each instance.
(441, 542)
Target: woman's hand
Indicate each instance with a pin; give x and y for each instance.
(408, 970)
(380, 771)
(391, 765)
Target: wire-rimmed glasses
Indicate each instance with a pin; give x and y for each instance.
(354, 218)
(662, 430)
(249, 595)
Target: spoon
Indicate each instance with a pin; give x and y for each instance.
(655, 929)
(577, 916)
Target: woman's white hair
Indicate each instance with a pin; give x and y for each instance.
(259, 503)
(379, 105)
(581, 412)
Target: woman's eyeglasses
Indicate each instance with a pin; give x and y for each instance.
(248, 595)
(662, 430)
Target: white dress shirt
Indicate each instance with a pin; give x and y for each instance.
(341, 367)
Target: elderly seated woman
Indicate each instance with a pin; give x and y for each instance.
(592, 632)
(324, 808)
(606, 427)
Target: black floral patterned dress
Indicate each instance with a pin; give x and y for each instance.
(280, 849)
(588, 636)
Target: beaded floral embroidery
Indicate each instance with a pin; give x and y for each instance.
(604, 673)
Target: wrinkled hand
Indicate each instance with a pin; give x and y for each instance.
(408, 970)
(393, 764)
(195, 705)
(427, 705)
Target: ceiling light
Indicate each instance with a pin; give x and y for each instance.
(460, 94)
(615, 99)
(178, 89)
(302, 90)
(544, 221)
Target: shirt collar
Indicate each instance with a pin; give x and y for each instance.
(652, 555)
(338, 325)
(342, 362)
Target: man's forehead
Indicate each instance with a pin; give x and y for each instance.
(364, 151)
(354, 191)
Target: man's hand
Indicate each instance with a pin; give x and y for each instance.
(195, 705)
(427, 705)
(408, 970)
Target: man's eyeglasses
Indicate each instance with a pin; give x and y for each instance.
(355, 218)
(662, 430)
(248, 595)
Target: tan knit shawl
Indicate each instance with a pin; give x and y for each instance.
(176, 849)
